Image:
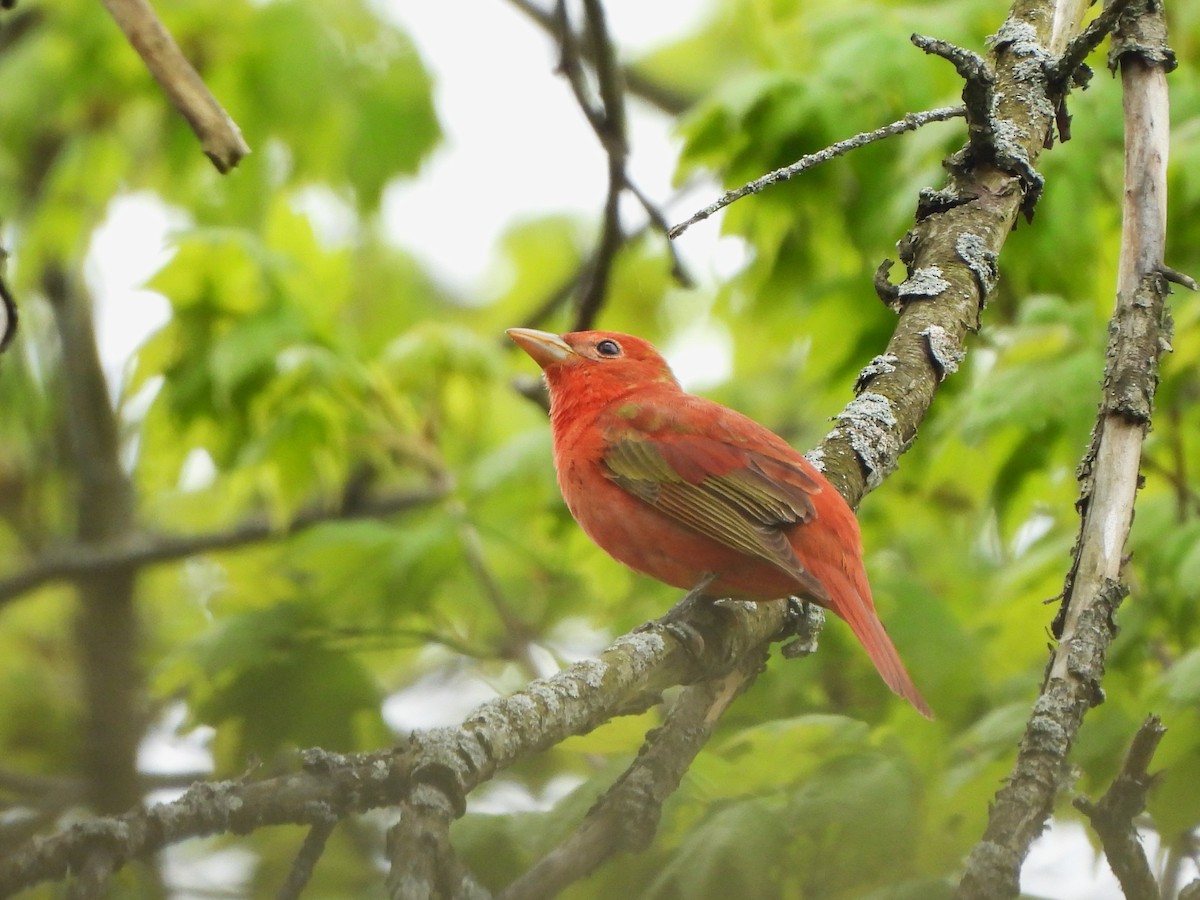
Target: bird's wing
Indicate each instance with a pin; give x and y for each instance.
(724, 490)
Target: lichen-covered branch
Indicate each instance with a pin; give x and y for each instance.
(1109, 480)
(951, 253)
(450, 762)
(626, 818)
(910, 122)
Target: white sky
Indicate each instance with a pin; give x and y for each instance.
(515, 144)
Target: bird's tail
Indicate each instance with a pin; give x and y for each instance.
(860, 615)
(850, 596)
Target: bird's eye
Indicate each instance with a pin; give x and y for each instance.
(608, 348)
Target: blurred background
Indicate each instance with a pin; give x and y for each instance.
(267, 482)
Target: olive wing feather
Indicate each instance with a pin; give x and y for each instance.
(732, 494)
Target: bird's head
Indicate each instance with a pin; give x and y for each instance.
(596, 365)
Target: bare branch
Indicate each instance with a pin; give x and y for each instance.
(1125, 800)
(519, 636)
(607, 118)
(665, 98)
(147, 549)
(606, 114)
(220, 138)
(107, 624)
(910, 122)
(1180, 278)
(310, 852)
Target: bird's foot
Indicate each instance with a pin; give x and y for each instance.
(805, 620)
(675, 621)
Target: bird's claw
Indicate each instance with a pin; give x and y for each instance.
(805, 620)
(676, 620)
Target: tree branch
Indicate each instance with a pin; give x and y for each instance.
(1109, 482)
(107, 624)
(627, 816)
(219, 135)
(1125, 800)
(310, 852)
(136, 551)
(606, 115)
(423, 861)
(625, 679)
(911, 122)
(667, 99)
(8, 309)
(517, 633)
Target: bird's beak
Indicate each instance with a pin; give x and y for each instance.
(545, 348)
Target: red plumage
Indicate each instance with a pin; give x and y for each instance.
(681, 488)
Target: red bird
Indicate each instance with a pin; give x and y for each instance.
(697, 495)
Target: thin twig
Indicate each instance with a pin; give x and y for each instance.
(518, 635)
(136, 551)
(8, 309)
(306, 860)
(561, 293)
(596, 278)
(653, 92)
(910, 122)
(1085, 42)
(606, 115)
(219, 135)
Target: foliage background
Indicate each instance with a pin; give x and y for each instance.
(303, 365)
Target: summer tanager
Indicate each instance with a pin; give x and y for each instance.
(697, 495)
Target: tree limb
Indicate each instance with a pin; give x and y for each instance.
(310, 852)
(107, 623)
(1109, 481)
(627, 816)
(626, 678)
